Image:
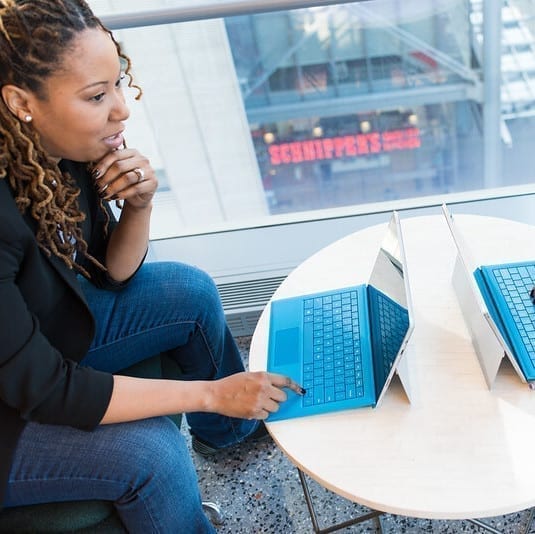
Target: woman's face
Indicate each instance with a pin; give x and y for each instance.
(82, 117)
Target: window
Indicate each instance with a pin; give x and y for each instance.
(259, 120)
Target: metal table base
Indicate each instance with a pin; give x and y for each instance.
(374, 514)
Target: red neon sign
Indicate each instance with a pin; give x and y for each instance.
(328, 148)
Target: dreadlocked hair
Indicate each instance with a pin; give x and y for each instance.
(35, 36)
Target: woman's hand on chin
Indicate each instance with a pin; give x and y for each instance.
(127, 175)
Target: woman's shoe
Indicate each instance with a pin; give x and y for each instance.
(207, 451)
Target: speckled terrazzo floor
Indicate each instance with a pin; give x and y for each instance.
(259, 491)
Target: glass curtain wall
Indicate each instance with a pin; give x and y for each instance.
(343, 104)
(360, 106)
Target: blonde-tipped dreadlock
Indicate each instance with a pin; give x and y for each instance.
(35, 35)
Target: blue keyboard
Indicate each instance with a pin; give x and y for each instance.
(510, 286)
(392, 324)
(333, 371)
(515, 284)
(389, 325)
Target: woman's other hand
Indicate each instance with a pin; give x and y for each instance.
(126, 175)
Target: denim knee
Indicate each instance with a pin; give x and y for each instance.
(164, 482)
(143, 467)
(190, 282)
(195, 286)
(154, 450)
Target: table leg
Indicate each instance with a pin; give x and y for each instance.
(333, 528)
(377, 515)
(487, 527)
(530, 520)
(484, 525)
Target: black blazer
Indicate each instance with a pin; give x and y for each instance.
(46, 327)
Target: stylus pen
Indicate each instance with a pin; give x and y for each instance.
(302, 390)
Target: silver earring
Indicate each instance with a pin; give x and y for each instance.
(28, 118)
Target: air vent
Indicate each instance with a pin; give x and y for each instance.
(244, 301)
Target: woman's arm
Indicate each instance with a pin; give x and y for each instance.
(126, 175)
(246, 395)
(129, 241)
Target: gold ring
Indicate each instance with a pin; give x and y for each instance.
(140, 174)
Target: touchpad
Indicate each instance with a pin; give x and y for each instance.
(286, 346)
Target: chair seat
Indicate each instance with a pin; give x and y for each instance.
(78, 516)
(75, 517)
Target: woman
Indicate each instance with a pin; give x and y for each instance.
(77, 305)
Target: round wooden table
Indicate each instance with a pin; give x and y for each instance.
(458, 450)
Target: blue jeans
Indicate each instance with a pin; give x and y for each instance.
(144, 467)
